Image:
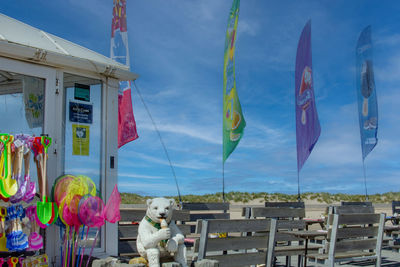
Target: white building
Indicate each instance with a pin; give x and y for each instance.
(42, 77)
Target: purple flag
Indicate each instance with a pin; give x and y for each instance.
(307, 123)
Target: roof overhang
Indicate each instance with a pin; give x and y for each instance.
(46, 49)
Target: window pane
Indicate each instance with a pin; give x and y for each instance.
(22, 108)
(83, 135)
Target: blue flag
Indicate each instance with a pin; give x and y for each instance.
(366, 93)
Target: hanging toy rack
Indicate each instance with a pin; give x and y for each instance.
(17, 200)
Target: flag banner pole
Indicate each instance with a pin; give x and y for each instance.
(365, 181)
(298, 187)
(119, 52)
(366, 97)
(223, 181)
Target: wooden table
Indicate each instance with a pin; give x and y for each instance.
(307, 234)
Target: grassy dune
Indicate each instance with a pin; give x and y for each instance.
(244, 197)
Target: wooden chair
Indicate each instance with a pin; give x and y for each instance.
(293, 245)
(241, 250)
(352, 237)
(129, 224)
(395, 211)
(284, 213)
(347, 209)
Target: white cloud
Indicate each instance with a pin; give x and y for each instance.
(191, 131)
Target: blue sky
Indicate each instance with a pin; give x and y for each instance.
(177, 49)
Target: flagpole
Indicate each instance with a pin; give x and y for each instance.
(223, 181)
(365, 182)
(298, 186)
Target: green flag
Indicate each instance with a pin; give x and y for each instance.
(233, 120)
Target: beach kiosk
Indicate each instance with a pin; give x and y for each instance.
(51, 86)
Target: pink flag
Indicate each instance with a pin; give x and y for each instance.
(120, 53)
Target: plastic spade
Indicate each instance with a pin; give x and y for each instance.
(8, 186)
(46, 212)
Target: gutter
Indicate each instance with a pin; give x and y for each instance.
(48, 58)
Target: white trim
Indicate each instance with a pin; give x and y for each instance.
(58, 60)
(111, 149)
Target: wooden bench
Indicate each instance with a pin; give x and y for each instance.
(202, 211)
(239, 250)
(352, 237)
(129, 224)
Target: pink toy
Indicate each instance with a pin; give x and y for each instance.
(35, 240)
(91, 212)
(111, 210)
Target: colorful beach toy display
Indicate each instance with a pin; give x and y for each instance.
(74, 205)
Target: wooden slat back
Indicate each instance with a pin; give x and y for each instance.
(356, 218)
(205, 211)
(207, 247)
(362, 203)
(136, 215)
(355, 245)
(352, 209)
(353, 232)
(285, 204)
(236, 243)
(130, 231)
(267, 212)
(235, 226)
(395, 207)
(132, 215)
(209, 216)
(205, 206)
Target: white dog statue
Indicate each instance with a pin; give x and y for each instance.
(158, 235)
